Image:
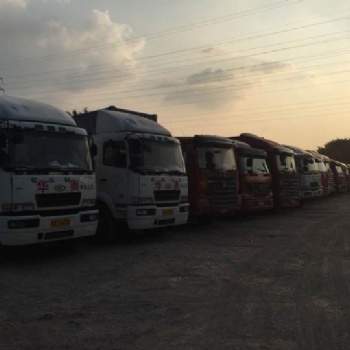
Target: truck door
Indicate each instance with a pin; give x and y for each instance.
(112, 177)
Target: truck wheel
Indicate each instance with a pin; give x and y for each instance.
(106, 228)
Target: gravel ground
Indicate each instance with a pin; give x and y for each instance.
(274, 281)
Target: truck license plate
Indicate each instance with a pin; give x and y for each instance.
(168, 212)
(260, 203)
(60, 223)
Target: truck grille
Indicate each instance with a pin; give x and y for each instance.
(257, 187)
(57, 199)
(222, 190)
(166, 195)
(331, 182)
(291, 186)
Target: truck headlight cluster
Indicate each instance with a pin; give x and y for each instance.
(184, 199)
(15, 207)
(142, 201)
(18, 224)
(88, 217)
(145, 212)
(88, 202)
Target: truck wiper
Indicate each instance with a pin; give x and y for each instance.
(145, 171)
(74, 169)
(176, 172)
(30, 169)
(46, 170)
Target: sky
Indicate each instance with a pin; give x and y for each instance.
(278, 69)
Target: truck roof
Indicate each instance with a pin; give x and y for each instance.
(262, 143)
(244, 148)
(325, 158)
(299, 151)
(118, 120)
(316, 154)
(14, 108)
(207, 139)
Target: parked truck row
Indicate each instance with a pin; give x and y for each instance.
(92, 174)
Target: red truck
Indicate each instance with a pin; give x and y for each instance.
(255, 181)
(339, 176)
(212, 175)
(281, 163)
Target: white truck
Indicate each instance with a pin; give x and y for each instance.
(140, 172)
(48, 189)
(310, 185)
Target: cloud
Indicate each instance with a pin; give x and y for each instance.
(271, 67)
(217, 87)
(211, 88)
(39, 55)
(13, 3)
(209, 75)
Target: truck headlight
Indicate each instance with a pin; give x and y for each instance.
(15, 207)
(142, 201)
(184, 199)
(88, 202)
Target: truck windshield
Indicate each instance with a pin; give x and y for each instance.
(308, 165)
(285, 162)
(339, 169)
(254, 166)
(152, 156)
(216, 158)
(321, 166)
(328, 166)
(43, 150)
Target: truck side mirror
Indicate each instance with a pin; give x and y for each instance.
(93, 150)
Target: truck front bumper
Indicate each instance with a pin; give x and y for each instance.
(148, 217)
(256, 204)
(311, 193)
(33, 229)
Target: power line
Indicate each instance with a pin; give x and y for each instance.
(227, 70)
(157, 34)
(212, 44)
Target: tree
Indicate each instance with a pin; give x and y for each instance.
(338, 149)
(74, 112)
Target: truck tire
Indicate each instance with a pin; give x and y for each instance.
(106, 228)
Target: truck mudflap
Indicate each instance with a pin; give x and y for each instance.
(149, 217)
(34, 229)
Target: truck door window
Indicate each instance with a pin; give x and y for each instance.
(185, 155)
(114, 154)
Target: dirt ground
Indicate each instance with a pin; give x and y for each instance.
(274, 281)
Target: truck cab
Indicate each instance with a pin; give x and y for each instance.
(339, 176)
(281, 163)
(48, 189)
(331, 183)
(310, 185)
(141, 177)
(212, 175)
(255, 181)
(327, 181)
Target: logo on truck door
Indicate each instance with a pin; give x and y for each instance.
(60, 188)
(42, 186)
(158, 185)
